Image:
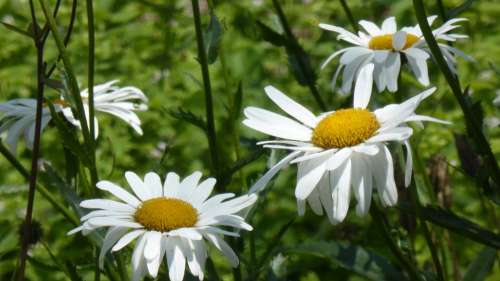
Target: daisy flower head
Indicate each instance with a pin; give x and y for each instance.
(173, 219)
(383, 47)
(18, 119)
(339, 153)
(111, 99)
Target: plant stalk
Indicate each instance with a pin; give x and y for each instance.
(472, 123)
(38, 35)
(202, 57)
(295, 48)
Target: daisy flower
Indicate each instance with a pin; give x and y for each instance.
(172, 220)
(339, 153)
(111, 99)
(383, 47)
(18, 119)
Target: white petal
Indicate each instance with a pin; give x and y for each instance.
(389, 25)
(175, 259)
(363, 87)
(262, 182)
(341, 192)
(419, 68)
(226, 250)
(106, 204)
(343, 34)
(291, 107)
(135, 182)
(152, 248)
(153, 182)
(119, 193)
(362, 184)
(171, 185)
(188, 185)
(383, 173)
(126, 239)
(308, 175)
(370, 27)
(203, 191)
(315, 202)
(398, 40)
(113, 235)
(275, 125)
(409, 164)
(392, 67)
(393, 134)
(338, 158)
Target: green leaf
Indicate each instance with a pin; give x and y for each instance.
(481, 266)
(212, 37)
(188, 116)
(459, 9)
(457, 224)
(353, 258)
(271, 36)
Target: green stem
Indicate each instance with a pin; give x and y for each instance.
(75, 91)
(472, 123)
(442, 10)
(347, 11)
(202, 57)
(296, 48)
(91, 62)
(382, 222)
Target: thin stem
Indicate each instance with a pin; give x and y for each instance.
(91, 34)
(382, 222)
(442, 10)
(295, 47)
(347, 11)
(66, 37)
(36, 147)
(75, 91)
(472, 123)
(202, 57)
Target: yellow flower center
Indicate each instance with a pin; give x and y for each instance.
(345, 127)
(60, 102)
(165, 214)
(384, 42)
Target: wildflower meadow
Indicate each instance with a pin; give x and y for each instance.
(249, 140)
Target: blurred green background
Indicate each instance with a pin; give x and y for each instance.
(151, 44)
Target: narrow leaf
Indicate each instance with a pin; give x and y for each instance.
(481, 266)
(353, 258)
(212, 37)
(17, 29)
(456, 224)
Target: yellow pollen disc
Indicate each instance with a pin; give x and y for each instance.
(345, 127)
(59, 102)
(384, 42)
(165, 214)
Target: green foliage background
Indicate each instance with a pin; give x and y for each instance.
(151, 44)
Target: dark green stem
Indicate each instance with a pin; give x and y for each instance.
(382, 223)
(442, 10)
(202, 57)
(295, 47)
(347, 11)
(472, 123)
(74, 89)
(91, 62)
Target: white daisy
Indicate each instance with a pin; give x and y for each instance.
(383, 47)
(114, 100)
(172, 219)
(18, 119)
(338, 153)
